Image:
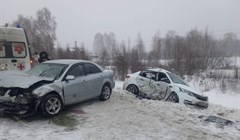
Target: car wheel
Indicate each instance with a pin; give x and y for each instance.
(51, 105)
(173, 98)
(105, 93)
(133, 89)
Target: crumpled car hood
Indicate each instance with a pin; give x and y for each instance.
(19, 79)
(189, 89)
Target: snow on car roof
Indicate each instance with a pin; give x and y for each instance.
(11, 30)
(158, 70)
(66, 61)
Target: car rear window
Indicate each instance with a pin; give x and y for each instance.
(12, 50)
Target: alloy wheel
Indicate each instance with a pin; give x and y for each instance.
(53, 106)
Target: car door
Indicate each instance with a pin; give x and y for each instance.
(145, 82)
(75, 90)
(162, 84)
(94, 77)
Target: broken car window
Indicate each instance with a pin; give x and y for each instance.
(148, 74)
(163, 77)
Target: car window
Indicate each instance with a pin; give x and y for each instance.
(18, 50)
(12, 50)
(161, 75)
(176, 79)
(90, 68)
(77, 70)
(148, 74)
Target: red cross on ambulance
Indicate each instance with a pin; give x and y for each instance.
(21, 66)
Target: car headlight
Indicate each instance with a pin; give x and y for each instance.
(188, 92)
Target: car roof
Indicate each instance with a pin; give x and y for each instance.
(66, 61)
(158, 70)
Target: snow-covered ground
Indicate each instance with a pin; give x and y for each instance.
(126, 117)
(229, 97)
(226, 100)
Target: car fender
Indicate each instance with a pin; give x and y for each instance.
(172, 88)
(181, 95)
(46, 89)
(108, 80)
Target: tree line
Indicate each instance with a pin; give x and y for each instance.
(184, 54)
(196, 51)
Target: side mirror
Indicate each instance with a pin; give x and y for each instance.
(70, 77)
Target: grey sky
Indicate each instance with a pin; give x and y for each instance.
(81, 19)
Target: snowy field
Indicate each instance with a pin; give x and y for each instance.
(126, 117)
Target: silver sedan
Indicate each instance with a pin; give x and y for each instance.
(53, 84)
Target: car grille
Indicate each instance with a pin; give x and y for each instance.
(201, 98)
(11, 91)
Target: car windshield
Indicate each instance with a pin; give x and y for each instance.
(48, 70)
(176, 79)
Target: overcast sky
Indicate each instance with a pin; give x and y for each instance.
(80, 20)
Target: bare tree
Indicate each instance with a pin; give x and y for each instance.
(135, 63)
(105, 46)
(178, 52)
(169, 44)
(27, 24)
(101, 50)
(83, 53)
(110, 43)
(45, 30)
(68, 52)
(155, 54)
(60, 52)
(41, 30)
(121, 61)
(140, 47)
(230, 43)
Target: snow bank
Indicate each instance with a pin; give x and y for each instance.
(126, 117)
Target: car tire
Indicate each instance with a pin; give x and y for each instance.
(51, 105)
(133, 89)
(106, 92)
(173, 97)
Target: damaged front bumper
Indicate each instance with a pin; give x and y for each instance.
(199, 104)
(13, 108)
(16, 101)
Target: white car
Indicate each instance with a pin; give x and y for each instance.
(161, 84)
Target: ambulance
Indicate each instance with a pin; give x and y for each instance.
(14, 49)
